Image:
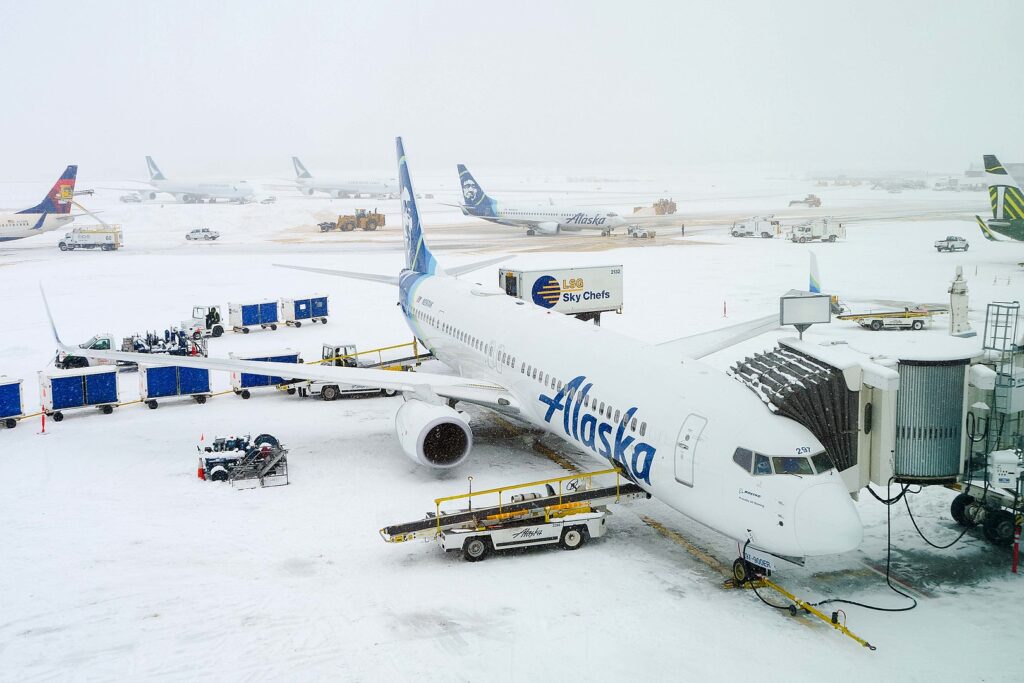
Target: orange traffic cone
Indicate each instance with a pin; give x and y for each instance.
(201, 472)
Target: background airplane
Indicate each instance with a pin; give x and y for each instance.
(546, 220)
(191, 191)
(1007, 222)
(49, 214)
(308, 184)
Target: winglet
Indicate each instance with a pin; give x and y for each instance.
(49, 316)
(815, 280)
(985, 230)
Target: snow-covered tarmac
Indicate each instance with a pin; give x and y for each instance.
(116, 563)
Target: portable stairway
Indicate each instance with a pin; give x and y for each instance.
(259, 467)
(1000, 341)
(806, 390)
(575, 493)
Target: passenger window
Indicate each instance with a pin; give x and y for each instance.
(608, 412)
(792, 465)
(602, 408)
(643, 428)
(535, 373)
(560, 385)
(822, 463)
(633, 426)
(743, 458)
(616, 416)
(762, 464)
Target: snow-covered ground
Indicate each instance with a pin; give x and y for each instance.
(116, 563)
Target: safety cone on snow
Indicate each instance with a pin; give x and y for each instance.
(42, 422)
(200, 472)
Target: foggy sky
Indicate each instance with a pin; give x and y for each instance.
(222, 88)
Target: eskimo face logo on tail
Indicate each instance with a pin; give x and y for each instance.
(546, 291)
(601, 437)
(470, 191)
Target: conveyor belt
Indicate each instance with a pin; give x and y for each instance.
(624, 490)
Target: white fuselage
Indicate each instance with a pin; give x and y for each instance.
(182, 190)
(16, 226)
(345, 188)
(689, 418)
(555, 219)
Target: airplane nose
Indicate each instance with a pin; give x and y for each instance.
(826, 520)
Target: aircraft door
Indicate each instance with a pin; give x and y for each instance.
(686, 447)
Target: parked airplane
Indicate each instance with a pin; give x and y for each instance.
(307, 184)
(191, 191)
(49, 214)
(546, 220)
(688, 434)
(1007, 204)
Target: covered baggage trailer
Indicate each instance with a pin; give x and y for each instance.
(243, 382)
(61, 390)
(171, 381)
(297, 311)
(243, 317)
(11, 404)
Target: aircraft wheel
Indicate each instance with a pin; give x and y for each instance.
(999, 527)
(475, 549)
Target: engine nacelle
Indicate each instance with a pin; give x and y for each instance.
(338, 194)
(151, 195)
(433, 435)
(549, 228)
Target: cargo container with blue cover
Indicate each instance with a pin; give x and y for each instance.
(167, 381)
(297, 311)
(242, 317)
(78, 388)
(241, 382)
(10, 402)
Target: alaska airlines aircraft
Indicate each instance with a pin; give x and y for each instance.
(1007, 204)
(192, 191)
(688, 434)
(546, 220)
(49, 214)
(307, 184)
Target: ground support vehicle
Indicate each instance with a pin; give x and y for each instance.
(583, 292)
(206, 322)
(99, 342)
(566, 511)
(297, 311)
(61, 390)
(810, 200)
(243, 382)
(362, 219)
(103, 237)
(909, 319)
(243, 317)
(952, 243)
(758, 226)
(245, 463)
(640, 232)
(346, 355)
(202, 235)
(132, 198)
(664, 207)
(823, 229)
(992, 498)
(11, 407)
(172, 381)
(174, 342)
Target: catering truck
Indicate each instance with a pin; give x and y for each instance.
(583, 292)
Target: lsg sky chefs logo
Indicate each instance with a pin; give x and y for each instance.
(547, 291)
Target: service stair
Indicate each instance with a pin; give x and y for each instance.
(254, 470)
(562, 496)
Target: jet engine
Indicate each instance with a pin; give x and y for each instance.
(433, 435)
(549, 228)
(151, 195)
(309, 192)
(338, 194)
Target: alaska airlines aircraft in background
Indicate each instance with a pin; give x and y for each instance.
(1007, 204)
(546, 220)
(688, 434)
(49, 214)
(307, 184)
(192, 191)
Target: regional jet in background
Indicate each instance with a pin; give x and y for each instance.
(1007, 222)
(685, 432)
(49, 214)
(308, 184)
(545, 220)
(192, 191)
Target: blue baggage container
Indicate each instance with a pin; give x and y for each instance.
(268, 312)
(10, 401)
(248, 380)
(101, 388)
(160, 382)
(78, 388)
(68, 392)
(251, 314)
(193, 381)
(318, 306)
(302, 310)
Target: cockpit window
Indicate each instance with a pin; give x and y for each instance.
(792, 465)
(743, 458)
(822, 463)
(761, 464)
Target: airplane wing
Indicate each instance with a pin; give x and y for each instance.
(424, 385)
(706, 343)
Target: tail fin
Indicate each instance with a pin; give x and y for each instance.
(300, 170)
(474, 198)
(58, 199)
(815, 276)
(154, 170)
(1007, 199)
(986, 232)
(417, 255)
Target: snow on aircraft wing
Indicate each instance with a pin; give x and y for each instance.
(706, 343)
